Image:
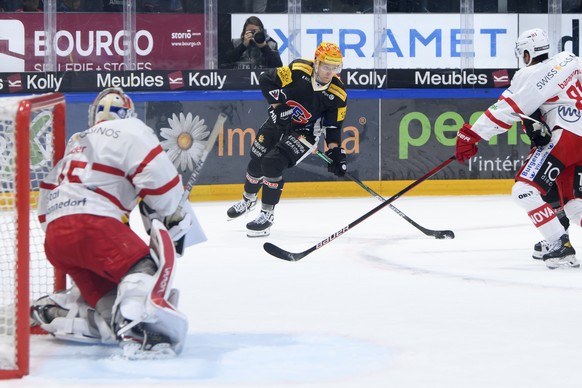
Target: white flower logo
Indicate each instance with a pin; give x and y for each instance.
(184, 140)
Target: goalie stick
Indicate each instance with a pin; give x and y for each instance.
(274, 250)
(182, 243)
(438, 234)
(209, 145)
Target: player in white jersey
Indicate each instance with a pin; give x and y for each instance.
(554, 86)
(122, 287)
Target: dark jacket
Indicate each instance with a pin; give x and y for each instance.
(252, 57)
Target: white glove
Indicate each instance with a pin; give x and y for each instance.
(180, 222)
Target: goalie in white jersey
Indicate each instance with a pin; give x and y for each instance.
(122, 289)
(554, 86)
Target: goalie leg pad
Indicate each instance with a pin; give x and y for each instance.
(131, 296)
(67, 316)
(143, 313)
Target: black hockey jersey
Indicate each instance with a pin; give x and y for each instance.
(292, 85)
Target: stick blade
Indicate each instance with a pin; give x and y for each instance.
(444, 234)
(281, 253)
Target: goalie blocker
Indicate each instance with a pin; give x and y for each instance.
(146, 322)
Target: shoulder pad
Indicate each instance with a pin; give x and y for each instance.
(303, 65)
(338, 91)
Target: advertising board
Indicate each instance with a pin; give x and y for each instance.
(97, 42)
(390, 139)
(418, 134)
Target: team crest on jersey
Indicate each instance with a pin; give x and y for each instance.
(261, 138)
(277, 93)
(569, 113)
(301, 115)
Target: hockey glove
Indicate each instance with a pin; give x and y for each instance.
(338, 161)
(466, 146)
(180, 222)
(147, 215)
(538, 132)
(281, 115)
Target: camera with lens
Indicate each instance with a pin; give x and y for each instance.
(259, 37)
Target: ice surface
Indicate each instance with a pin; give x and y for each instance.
(381, 306)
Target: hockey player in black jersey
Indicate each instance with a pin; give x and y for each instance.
(300, 95)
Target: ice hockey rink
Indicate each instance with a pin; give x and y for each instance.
(381, 306)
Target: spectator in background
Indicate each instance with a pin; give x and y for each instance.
(193, 6)
(253, 50)
(30, 6)
(338, 6)
(69, 6)
(161, 6)
(254, 6)
(113, 5)
(571, 6)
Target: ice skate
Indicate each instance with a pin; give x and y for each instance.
(540, 249)
(561, 254)
(261, 226)
(243, 206)
(141, 344)
(45, 310)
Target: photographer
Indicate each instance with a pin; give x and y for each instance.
(253, 50)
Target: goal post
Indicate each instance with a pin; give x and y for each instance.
(32, 140)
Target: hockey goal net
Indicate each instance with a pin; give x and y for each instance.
(32, 140)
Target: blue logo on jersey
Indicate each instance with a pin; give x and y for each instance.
(569, 113)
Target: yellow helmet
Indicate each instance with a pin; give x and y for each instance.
(330, 54)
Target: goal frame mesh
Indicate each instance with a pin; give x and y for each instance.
(22, 194)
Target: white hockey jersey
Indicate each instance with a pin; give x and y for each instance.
(106, 169)
(554, 86)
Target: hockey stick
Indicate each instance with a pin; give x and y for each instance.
(181, 243)
(289, 256)
(438, 234)
(525, 117)
(209, 145)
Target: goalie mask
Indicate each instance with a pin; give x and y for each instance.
(111, 104)
(327, 64)
(534, 41)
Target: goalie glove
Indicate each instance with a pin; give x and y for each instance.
(180, 222)
(177, 223)
(182, 225)
(281, 115)
(538, 132)
(147, 216)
